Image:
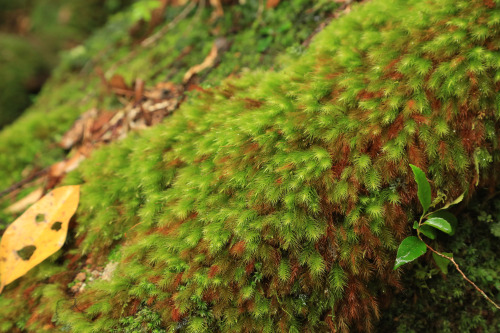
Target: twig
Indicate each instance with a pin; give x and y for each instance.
(201, 7)
(23, 182)
(461, 273)
(154, 38)
(260, 10)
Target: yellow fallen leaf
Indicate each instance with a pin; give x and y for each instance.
(37, 234)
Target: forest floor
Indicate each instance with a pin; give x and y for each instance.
(132, 75)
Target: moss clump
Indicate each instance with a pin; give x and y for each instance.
(275, 201)
(75, 87)
(144, 320)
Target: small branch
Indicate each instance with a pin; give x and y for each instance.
(23, 182)
(258, 17)
(461, 273)
(201, 7)
(153, 39)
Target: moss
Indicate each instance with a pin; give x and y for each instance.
(275, 201)
(75, 87)
(145, 320)
(270, 170)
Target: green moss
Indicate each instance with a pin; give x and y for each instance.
(144, 320)
(75, 87)
(275, 201)
(266, 170)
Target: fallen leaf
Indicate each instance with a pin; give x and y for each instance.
(21, 205)
(219, 45)
(272, 3)
(118, 82)
(76, 133)
(102, 121)
(37, 234)
(219, 12)
(162, 91)
(60, 168)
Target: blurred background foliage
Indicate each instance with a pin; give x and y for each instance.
(32, 34)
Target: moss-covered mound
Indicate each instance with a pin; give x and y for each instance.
(275, 201)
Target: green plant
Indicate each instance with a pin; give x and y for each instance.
(413, 247)
(303, 169)
(144, 321)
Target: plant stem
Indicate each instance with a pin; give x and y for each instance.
(461, 273)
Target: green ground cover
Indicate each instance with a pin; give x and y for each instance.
(275, 200)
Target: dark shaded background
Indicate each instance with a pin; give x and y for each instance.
(32, 33)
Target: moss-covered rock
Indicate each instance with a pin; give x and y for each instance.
(275, 201)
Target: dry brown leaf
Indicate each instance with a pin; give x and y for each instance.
(118, 82)
(119, 86)
(272, 3)
(76, 133)
(60, 168)
(162, 91)
(219, 12)
(219, 45)
(21, 205)
(102, 122)
(37, 234)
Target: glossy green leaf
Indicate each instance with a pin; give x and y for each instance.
(428, 231)
(440, 224)
(424, 188)
(410, 249)
(448, 217)
(441, 262)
